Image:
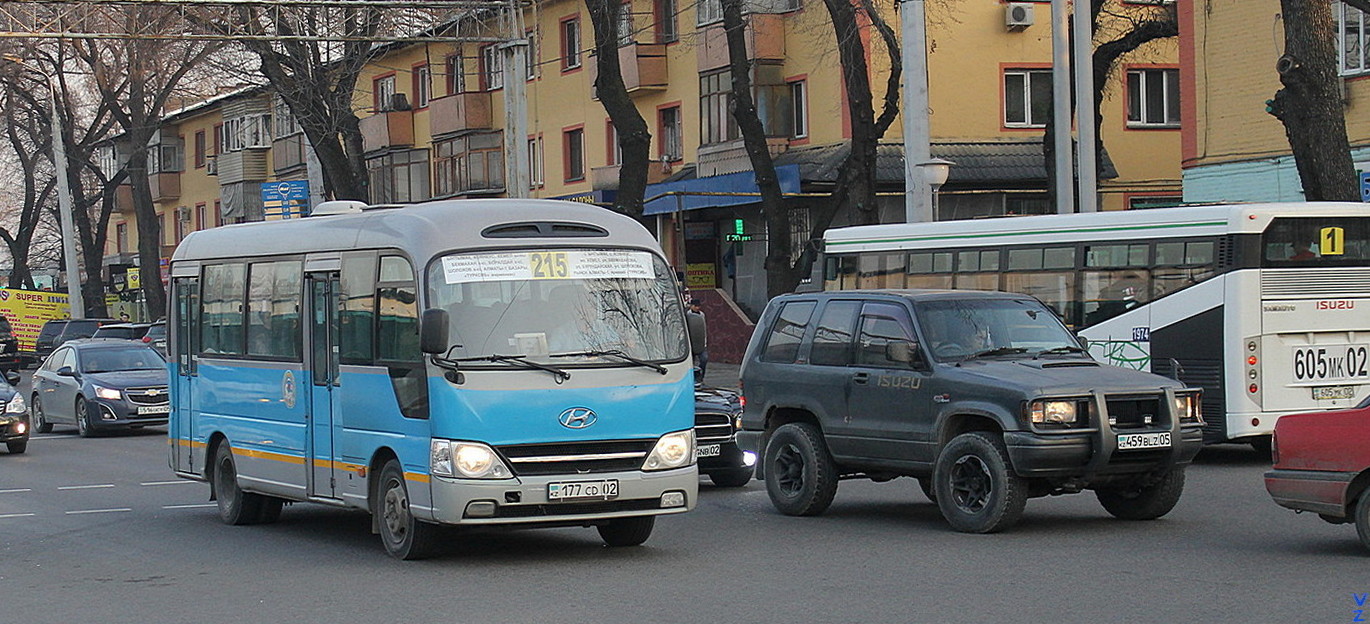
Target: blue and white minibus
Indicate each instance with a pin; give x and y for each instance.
(460, 362)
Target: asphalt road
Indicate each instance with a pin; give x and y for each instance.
(98, 530)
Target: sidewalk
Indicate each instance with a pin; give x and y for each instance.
(720, 375)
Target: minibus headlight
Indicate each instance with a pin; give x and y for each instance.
(467, 460)
(16, 405)
(1052, 412)
(108, 393)
(1187, 408)
(673, 450)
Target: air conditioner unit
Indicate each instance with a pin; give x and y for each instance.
(1018, 15)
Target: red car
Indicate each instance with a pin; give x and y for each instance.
(1322, 465)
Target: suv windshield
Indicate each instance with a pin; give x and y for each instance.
(560, 306)
(959, 329)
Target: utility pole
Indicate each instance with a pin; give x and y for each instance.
(1060, 111)
(515, 54)
(1088, 168)
(917, 135)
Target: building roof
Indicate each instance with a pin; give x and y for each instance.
(978, 162)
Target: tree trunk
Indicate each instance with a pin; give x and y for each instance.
(634, 140)
(1310, 104)
(149, 235)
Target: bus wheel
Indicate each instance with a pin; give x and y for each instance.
(1146, 502)
(237, 507)
(405, 537)
(626, 531)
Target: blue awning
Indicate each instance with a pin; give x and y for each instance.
(731, 189)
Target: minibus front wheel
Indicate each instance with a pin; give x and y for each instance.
(405, 537)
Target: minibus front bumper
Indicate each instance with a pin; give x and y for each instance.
(529, 500)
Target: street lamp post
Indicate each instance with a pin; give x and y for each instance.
(64, 205)
(935, 172)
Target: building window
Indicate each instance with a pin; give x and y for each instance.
(1351, 23)
(1154, 201)
(535, 167)
(626, 31)
(708, 12)
(1027, 98)
(383, 90)
(199, 148)
(716, 123)
(667, 30)
(248, 131)
(285, 123)
(532, 58)
(218, 139)
(121, 237)
(473, 163)
(218, 213)
(799, 102)
(570, 43)
(1153, 98)
(201, 219)
(573, 150)
(165, 156)
(182, 216)
(399, 177)
(672, 138)
(423, 86)
(612, 148)
(456, 79)
(492, 67)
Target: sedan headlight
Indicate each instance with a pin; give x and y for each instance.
(1053, 412)
(1187, 408)
(672, 450)
(16, 405)
(108, 393)
(468, 460)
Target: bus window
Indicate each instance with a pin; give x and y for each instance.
(1181, 265)
(273, 323)
(222, 316)
(357, 303)
(881, 271)
(977, 270)
(1316, 241)
(397, 334)
(1054, 288)
(930, 270)
(1110, 293)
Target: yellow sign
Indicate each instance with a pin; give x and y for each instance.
(701, 275)
(133, 280)
(1332, 241)
(28, 310)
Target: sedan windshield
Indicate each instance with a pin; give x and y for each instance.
(968, 328)
(109, 360)
(560, 307)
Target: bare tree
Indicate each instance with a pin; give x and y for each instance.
(634, 140)
(29, 138)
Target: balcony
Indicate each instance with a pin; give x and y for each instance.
(731, 156)
(388, 129)
(164, 185)
(643, 66)
(459, 112)
(606, 178)
(765, 41)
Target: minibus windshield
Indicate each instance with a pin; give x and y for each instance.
(566, 307)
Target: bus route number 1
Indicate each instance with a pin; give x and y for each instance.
(548, 264)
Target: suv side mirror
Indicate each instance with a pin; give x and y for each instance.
(433, 331)
(902, 351)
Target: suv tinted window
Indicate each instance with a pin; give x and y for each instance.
(881, 324)
(782, 345)
(832, 342)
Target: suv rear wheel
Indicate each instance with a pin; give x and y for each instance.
(976, 488)
(801, 477)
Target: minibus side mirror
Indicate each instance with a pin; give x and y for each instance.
(433, 331)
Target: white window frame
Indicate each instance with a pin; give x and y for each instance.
(1138, 92)
(423, 83)
(1351, 39)
(799, 107)
(571, 42)
(536, 175)
(385, 91)
(1025, 94)
(708, 12)
(492, 63)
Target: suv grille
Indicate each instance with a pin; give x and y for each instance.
(148, 396)
(713, 427)
(1136, 412)
(577, 457)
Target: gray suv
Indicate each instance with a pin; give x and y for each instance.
(985, 397)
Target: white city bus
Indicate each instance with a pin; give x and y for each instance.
(1264, 306)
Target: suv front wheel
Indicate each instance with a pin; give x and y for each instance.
(976, 487)
(801, 477)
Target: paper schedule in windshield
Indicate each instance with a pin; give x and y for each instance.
(538, 265)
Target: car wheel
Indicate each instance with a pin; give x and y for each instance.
(237, 507)
(801, 476)
(1363, 518)
(621, 532)
(83, 421)
(40, 420)
(976, 488)
(17, 446)
(405, 537)
(1144, 502)
(732, 477)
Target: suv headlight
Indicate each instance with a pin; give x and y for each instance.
(672, 450)
(1057, 412)
(468, 460)
(16, 405)
(108, 393)
(1187, 408)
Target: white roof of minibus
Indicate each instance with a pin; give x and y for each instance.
(1111, 225)
(423, 230)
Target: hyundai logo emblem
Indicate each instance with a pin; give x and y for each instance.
(577, 418)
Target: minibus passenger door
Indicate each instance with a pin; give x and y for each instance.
(184, 345)
(323, 387)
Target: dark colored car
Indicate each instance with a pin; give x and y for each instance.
(985, 397)
(10, 357)
(156, 337)
(1322, 465)
(58, 331)
(14, 416)
(100, 384)
(717, 417)
(125, 331)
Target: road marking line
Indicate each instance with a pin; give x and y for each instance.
(16, 515)
(155, 483)
(16, 490)
(194, 506)
(86, 487)
(95, 511)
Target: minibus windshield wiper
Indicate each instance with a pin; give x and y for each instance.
(613, 353)
(520, 360)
